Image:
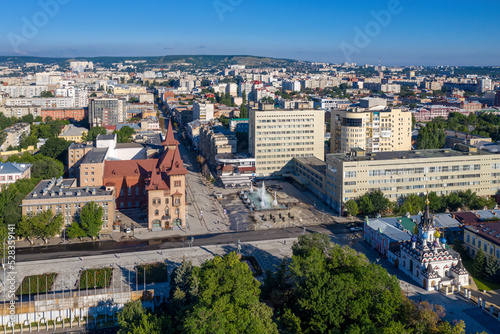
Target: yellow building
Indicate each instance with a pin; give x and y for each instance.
(276, 136)
(484, 236)
(399, 174)
(73, 133)
(377, 129)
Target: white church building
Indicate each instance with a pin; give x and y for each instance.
(426, 259)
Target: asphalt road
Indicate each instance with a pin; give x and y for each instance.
(111, 247)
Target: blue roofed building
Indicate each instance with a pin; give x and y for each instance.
(10, 172)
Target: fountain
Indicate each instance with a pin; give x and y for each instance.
(251, 187)
(262, 199)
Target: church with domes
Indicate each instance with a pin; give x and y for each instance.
(427, 260)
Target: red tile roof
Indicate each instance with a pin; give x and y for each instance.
(170, 140)
(246, 169)
(138, 168)
(177, 167)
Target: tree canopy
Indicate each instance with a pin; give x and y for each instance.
(431, 136)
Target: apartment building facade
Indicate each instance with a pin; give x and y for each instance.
(484, 236)
(399, 174)
(14, 134)
(378, 129)
(106, 111)
(62, 196)
(276, 136)
(214, 140)
(203, 110)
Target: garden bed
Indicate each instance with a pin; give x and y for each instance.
(155, 272)
(36, 284)
(95, 278)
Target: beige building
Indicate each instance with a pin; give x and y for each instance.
(311, 174)
(73, 133)
(214, 140)
(15, 134)
(484, 236)
(62, 196)
(399, 174)
(276, 136)
(76, 153)
(378, 129)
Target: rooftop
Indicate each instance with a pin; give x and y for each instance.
(488, 230)
(64, 188)
(74, 131)
(313, 162)
(96, 155)
(105, 137)
(422, 154)
(13, 167)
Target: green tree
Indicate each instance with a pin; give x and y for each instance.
(55, 148)
(228, 300)
(224, 120)
(453, 201)
(91, 219)
(134, 319)
(412, 204)
(75, 231)
(124, 135)
(379, 201)
(365, 205)
(3, 137)
(43, 225)
(436, 202)
(431, 136)
(337, 290)
(243, 111)
(351, 208)
(92, 134)
(491, 268)
(47, 168)
(46, 94)
(479, 263)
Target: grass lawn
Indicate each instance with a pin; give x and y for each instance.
(481, 283)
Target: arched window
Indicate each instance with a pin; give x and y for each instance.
(167, 212)
(157, 212)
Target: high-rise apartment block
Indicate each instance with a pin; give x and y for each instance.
(377, 129)
(203, 110)
(278, 135)
(106, 111)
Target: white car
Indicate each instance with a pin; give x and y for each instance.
(127, 230)
(356, 229)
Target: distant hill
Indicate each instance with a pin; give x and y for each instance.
(198, 60)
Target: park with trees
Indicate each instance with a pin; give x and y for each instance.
(322, 288)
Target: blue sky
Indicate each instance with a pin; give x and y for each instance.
(414, 33)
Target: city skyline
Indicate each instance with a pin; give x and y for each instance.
(399, 32)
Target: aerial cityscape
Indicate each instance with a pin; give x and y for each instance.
(231, 166)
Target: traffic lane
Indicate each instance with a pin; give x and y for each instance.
(110, 247)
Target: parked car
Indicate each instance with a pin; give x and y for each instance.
(128, 230)
(356, 229)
